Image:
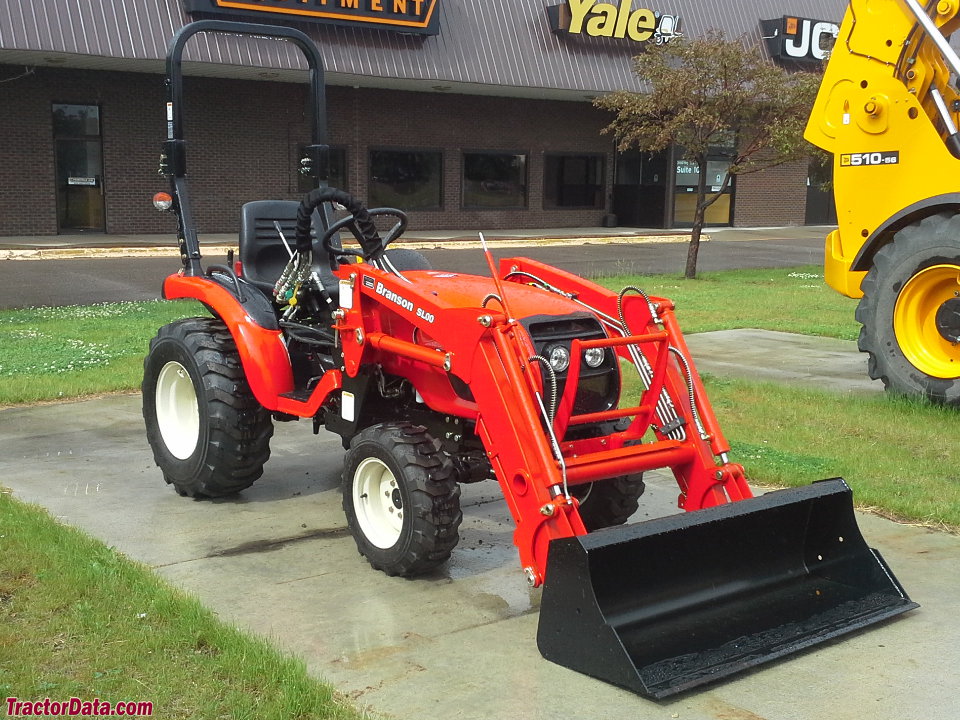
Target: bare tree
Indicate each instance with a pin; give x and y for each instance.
(710, 92)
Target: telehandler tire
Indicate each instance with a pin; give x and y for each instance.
(400, 498)
(910, 311)
(208, 433)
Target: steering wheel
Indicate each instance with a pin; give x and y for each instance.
(350, 223)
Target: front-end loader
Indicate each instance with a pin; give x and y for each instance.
(888, 110)
(433, 379)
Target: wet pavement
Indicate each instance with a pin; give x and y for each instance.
(278, 560)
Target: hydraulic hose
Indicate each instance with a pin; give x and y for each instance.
(552, 407)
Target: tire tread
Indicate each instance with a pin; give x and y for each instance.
(239, 428)
(433, 500)
(930, 241)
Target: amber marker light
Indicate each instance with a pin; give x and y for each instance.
(162, 201)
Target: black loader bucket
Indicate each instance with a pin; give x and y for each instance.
(666, 605)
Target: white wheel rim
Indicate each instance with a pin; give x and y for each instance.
(377, 503)
(178, 416)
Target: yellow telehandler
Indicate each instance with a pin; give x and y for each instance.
(888, 110)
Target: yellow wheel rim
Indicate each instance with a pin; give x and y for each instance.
(915, 321)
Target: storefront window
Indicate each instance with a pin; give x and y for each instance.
(688, 174)
(494, 180)
(336, 170)
(406, 179)
(573, 181)
(685, 196)
(76, 120)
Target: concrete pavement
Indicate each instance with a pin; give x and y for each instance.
(278, 560)
(767, 355)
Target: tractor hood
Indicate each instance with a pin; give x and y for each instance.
(461, 290)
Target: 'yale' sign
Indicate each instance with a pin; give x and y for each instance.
(411, 16)
(600, 19)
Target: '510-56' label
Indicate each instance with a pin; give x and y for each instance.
(869, 158)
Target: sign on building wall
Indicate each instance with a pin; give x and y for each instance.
(409, 16)
(622, 21)
(799, 40)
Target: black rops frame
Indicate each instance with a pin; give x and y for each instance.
(173, 159)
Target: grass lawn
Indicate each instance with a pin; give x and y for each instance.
(77, 619)
(53, 353)
(787, 299)
(61, 352)
(900, 456)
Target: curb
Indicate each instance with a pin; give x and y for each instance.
(36, 253)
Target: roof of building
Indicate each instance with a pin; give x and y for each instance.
(483, 47)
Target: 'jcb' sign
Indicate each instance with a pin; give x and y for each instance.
(412, 16)
(800, 40)
(599, 19)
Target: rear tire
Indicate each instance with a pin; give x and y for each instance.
(406, 259)
(911, 280)
(400, 498)
(209, 435)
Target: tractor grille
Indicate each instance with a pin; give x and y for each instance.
(599, 388)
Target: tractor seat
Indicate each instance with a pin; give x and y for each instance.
(263, 255)
(262, 252)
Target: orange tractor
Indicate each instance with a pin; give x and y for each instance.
(434, 378)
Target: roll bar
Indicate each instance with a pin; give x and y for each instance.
(173, 161)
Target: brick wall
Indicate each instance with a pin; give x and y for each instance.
(776, 196)
(131, 115)
(242, 138)
(27, 192)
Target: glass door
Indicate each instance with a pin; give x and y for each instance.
(78, 152)
(640, 189)
(685, 199)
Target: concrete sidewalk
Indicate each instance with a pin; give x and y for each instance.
(278, 560)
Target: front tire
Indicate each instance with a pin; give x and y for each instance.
(400, 498)
(606, 503)
(910, 310)
(209, 435)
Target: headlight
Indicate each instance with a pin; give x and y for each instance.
(559, 358)
(594, 357)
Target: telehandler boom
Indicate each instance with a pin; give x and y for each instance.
(888, 110)
(433, 379)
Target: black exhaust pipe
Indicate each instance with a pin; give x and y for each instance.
(670, 604)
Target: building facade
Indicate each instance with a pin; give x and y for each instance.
(466, 113)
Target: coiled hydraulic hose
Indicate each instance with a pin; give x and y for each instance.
(552, 406)
(367, 232)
